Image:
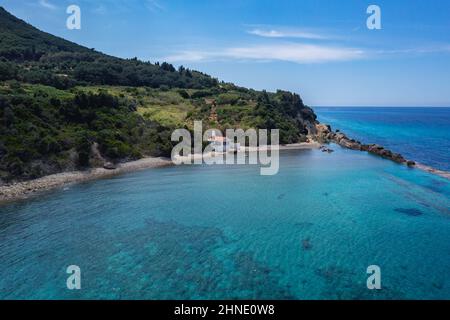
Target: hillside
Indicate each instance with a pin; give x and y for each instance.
(39, 57)
(65, 107)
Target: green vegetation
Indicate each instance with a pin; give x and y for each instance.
(46, 130)
(39, 57)
(63, 106)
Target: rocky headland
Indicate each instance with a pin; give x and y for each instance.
(325, 134)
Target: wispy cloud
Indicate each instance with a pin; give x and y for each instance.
(153, 5)
(286, 33)
(292, 52)
(47, 4)
(100, 9)
(431, 49)
(299, 53)
(190, 56)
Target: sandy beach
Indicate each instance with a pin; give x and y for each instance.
(25, 189)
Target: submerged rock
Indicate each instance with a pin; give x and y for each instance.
(326, 149)
(281, 196)
(409, 211)
(306, 243)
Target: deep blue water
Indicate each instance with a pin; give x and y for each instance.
(214, 232)
(420, 134)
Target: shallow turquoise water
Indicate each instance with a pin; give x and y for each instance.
(201, 232)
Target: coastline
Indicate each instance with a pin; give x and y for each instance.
(325, 133)
(26, 189)
(292, 146)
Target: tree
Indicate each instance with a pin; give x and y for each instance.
(83, 149)
(167, 67)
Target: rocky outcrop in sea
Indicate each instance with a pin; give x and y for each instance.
(325, 134)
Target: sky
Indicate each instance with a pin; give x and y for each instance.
(321, 49)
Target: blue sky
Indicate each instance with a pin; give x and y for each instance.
(320, 49)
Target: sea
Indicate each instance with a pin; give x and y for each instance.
(421, 134)
(316, 230)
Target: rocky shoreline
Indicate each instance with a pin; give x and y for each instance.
(325, 134)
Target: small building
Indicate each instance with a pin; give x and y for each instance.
(223, 144)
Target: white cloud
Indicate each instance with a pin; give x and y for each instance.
(280, 33)
(191, 56)
(299, 53)
(293, 52)
(47, 4)
(431, 49)
(154, 5)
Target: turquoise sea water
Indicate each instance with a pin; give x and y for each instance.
(420, 134)
(213, 232)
